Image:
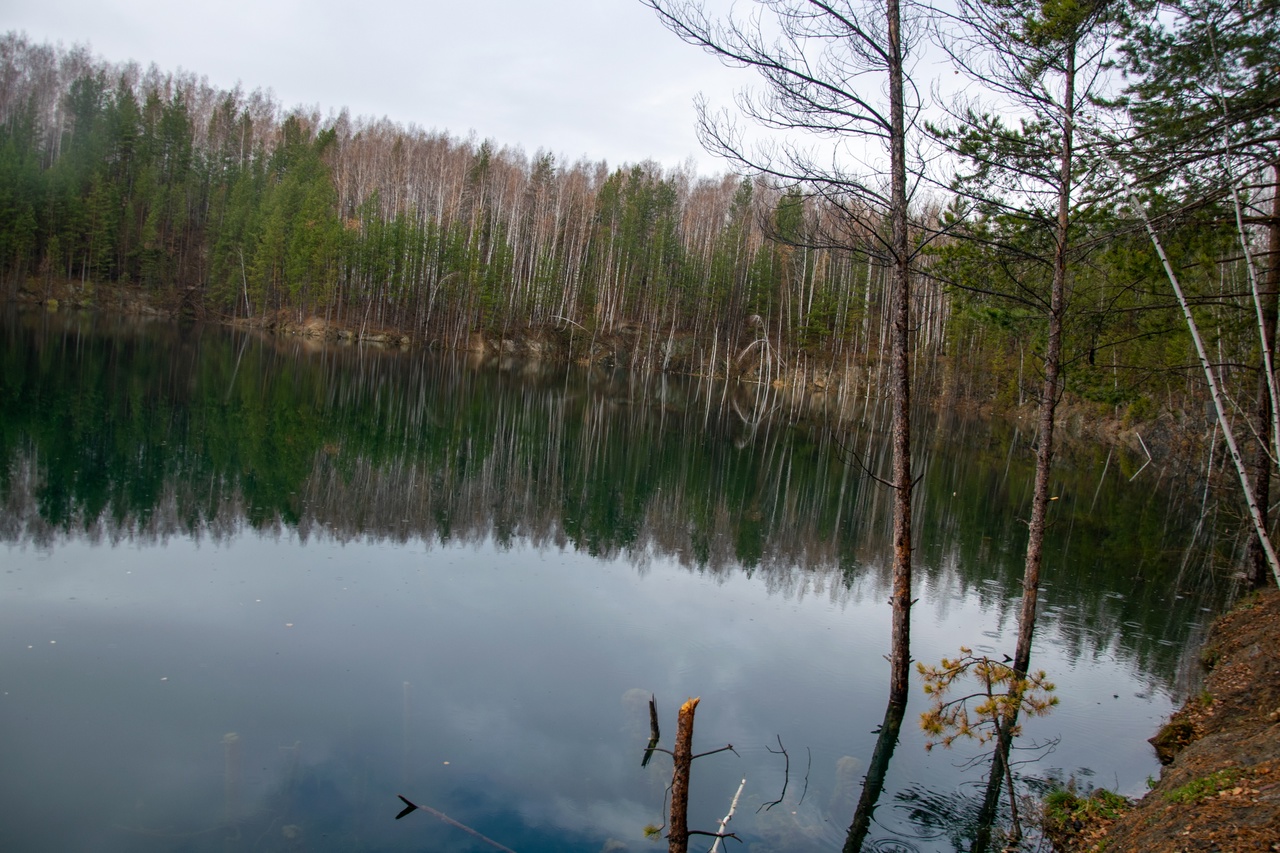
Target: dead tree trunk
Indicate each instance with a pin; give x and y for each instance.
(678, 830)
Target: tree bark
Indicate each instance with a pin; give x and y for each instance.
(900, 651)
(1049, 389)
(1256, 572)
(678, 825)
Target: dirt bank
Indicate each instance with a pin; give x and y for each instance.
(1220, 788)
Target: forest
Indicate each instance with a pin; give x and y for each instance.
(229, 205)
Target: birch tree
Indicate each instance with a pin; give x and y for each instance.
(1204, 102)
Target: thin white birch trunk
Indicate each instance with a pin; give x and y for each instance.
(733, 807)
(1219, 404)
(1267, 360)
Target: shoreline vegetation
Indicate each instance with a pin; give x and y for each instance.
(121, 184)
(813, 385)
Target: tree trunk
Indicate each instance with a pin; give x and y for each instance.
(990, 808)
(900, 651)
(678, 826)
(1219, 401)
(1049, 389)
(1255, 557)
(873, 784)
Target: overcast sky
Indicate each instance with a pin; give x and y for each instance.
(595, 78)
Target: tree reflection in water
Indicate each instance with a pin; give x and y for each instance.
(148, 434)
(873, 785)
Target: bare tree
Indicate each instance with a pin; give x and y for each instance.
(834, 71)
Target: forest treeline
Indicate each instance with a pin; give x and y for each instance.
(112, 174)
(225, 202)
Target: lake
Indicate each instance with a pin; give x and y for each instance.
(255, 588)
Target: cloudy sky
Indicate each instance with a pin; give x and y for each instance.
(594, 78)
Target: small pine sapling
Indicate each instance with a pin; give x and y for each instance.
(989, 712)
(994, 704)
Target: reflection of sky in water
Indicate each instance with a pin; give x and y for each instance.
(506, 688)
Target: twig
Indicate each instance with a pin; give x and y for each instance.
(849, 453)
(786, 778)
(567, 320)
(410, 807)
(1144, 464)
(654, 733)
(733, 806)
(807, 768)
(715, 834)
(1101, 477)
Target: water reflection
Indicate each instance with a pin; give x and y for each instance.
(873, 784)
(142, 433)
(390, 574)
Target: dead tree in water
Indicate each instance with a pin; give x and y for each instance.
(678, 831)
(678, 834)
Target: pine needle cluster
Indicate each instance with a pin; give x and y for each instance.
(996, 701)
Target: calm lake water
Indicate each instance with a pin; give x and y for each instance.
(253, 589)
